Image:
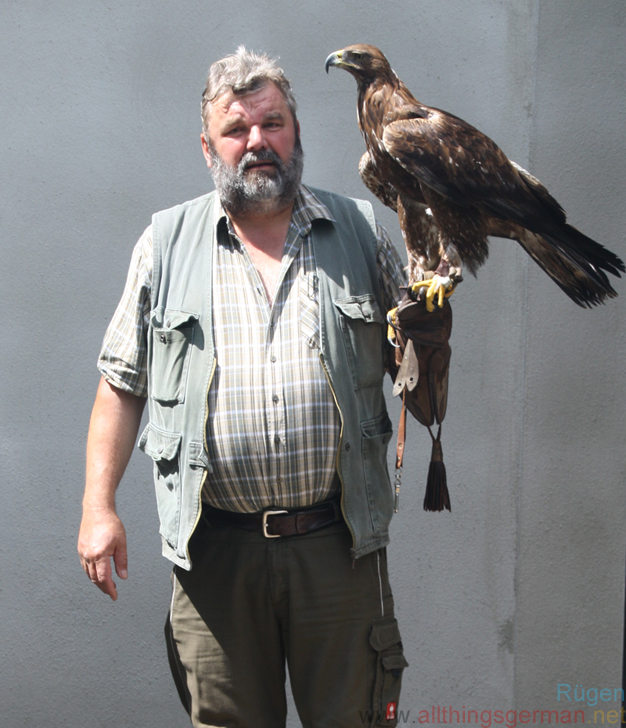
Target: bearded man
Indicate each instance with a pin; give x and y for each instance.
(252, 323)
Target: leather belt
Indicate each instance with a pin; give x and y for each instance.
(274, 523)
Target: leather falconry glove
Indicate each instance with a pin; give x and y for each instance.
(423, 358)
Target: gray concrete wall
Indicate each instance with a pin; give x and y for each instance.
(521, 587)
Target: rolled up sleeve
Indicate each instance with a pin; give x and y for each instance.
(123, 357)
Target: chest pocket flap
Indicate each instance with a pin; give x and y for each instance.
(362, 327)
(360, 307)
(172, 334)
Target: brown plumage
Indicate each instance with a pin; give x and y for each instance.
(452, 187)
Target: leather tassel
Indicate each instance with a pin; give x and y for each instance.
(437, 497)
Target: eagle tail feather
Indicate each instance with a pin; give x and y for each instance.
(595, 254)
(575, 263)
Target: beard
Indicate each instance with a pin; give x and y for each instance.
(244, 192)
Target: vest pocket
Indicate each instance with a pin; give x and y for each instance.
(164, 448)
(385, 639)
(362, 327)
(376, 434)
(172, 337)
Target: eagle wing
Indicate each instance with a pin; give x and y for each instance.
(468, 169)
(379, 187)
(469, 179)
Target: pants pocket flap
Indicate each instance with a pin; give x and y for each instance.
(394, 661)
(385, 633)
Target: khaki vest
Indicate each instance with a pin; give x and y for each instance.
(181, 363)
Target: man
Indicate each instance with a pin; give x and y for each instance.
(252, 322)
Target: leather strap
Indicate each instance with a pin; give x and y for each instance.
(288, 523)
(400, 453)
(401, 435)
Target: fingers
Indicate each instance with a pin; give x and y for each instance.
(104, 582)
(102, 537)
(99, 571)
(121, 561)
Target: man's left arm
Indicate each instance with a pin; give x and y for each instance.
(391, 275)
(391, 271)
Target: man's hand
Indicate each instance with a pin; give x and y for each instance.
(101, 537)
(112, 432)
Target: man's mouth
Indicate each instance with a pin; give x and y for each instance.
(260, 165)
(263, 161)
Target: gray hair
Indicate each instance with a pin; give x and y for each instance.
(244, 72)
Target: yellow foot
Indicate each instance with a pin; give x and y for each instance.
(440, 286)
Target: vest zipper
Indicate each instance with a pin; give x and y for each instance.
(343, 510)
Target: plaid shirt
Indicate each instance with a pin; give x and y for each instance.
(273, 427)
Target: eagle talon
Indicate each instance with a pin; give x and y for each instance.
(440, 286)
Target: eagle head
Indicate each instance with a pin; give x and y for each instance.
(365, 62)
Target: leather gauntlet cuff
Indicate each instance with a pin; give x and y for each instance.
(423, 365)
(423, 358)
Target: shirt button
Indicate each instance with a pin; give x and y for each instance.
(279, 480)
(160, 449)
(347, 446)
(163, 338)
(275, 399)
(272, 359)
(277, 439)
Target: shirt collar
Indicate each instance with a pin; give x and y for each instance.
(307, 208)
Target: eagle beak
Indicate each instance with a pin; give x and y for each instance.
(334, 59)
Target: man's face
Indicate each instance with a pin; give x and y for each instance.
(254, 151)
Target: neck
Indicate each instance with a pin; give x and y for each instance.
(264, 230)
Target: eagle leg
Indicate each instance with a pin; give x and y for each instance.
(436, 286)
(421, 237)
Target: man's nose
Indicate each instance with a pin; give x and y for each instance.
(256, 138)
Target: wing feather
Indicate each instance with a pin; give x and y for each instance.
(378, 186)
(467, 168)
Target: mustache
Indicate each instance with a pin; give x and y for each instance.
(263, 155)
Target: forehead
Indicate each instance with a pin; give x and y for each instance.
(253, 107)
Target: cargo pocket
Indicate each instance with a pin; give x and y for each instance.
(164, 448)
(172, 336)
(385, 639)
(362, 328)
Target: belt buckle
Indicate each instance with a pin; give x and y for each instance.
(264, 524)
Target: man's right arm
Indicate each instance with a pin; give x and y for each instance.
(113, 429)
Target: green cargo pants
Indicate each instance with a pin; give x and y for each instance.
(251, 605)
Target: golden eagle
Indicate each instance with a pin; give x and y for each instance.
(452, 187)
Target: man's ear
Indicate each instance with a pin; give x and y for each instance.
(206, 151)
